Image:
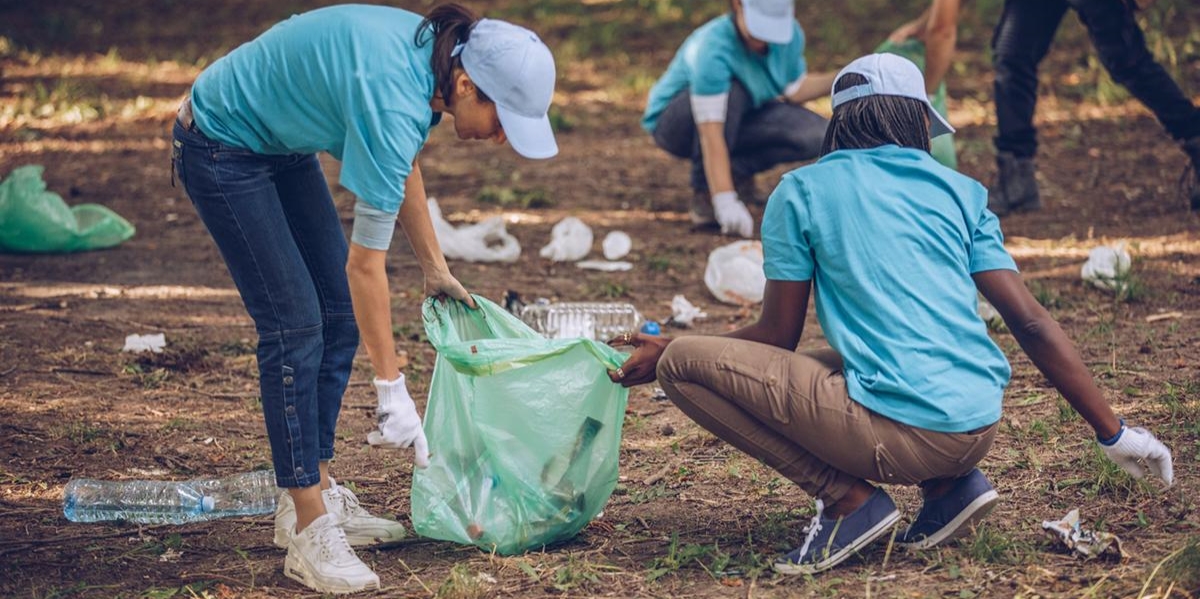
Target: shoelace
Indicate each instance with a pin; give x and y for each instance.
(333, 542)
(813, 528)
(350, 505)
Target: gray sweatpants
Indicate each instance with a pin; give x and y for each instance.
(791, 411)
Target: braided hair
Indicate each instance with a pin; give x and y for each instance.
(874, 121)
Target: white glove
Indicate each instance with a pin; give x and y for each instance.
(1136, 445)
(732, 214)
(399, 424)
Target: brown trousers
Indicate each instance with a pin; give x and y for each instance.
(791, 411)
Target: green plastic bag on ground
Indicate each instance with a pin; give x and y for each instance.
(942, 147)
(33, 220)
(524, 432)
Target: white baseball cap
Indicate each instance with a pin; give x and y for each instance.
(516, 70)
(772, 21)
(890, 75)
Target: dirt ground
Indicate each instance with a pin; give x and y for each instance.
(88, 90)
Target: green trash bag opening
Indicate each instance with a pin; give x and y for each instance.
(34, 220)
(942, 146)
(524, 432)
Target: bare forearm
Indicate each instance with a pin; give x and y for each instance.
(815, 85)
(717, 169)
(941, 36)
(371, 298)
(418, 227)
(1055, 356)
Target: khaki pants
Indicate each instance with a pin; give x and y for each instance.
(791, 411)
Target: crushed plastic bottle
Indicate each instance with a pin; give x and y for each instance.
(592, 320)
(170, 502)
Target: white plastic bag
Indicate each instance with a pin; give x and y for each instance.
(735, 273)
(570, 240)
(485, 241)
(154, 342)
(616, 245)
(684, 313)
(1107, 267)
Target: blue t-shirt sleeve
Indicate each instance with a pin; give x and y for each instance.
(710, 64)
(798, 37)
(987, 245)
(787, 253)
(378, 155)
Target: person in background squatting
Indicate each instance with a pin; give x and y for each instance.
(730, 103)
(910, 391)
(366, 84)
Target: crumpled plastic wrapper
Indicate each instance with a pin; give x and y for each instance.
(1107, 267)
(1087, 543)
(684, 313)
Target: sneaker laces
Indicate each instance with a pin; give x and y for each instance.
(350, 504)
(812, 530)
(333, 543)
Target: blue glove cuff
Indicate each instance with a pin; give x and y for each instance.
(1113, 440)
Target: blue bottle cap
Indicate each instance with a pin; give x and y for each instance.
(651, 328)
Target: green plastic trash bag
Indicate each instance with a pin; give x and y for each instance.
(942, 147)
(524, 431)
(33, 220)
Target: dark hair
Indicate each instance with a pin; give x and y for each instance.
(874, 121)
(448, 25)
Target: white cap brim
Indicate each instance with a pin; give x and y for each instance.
(937, 123)
(530, 137)
(772, 30)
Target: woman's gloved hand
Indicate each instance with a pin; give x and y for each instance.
(399, 424)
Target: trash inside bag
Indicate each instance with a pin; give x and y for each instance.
(523, 431)
(34, 220)
(942, 146)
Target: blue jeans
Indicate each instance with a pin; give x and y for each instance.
(274, 221)
(1023, 38)
(758, 139)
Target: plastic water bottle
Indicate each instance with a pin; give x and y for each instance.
(170, 502)
(592, 320)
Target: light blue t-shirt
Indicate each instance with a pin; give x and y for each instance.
(713, 56)
(346, 79)
(890, 238)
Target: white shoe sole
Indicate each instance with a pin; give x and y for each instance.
(297, 570)
(971, 515)
(842, 554)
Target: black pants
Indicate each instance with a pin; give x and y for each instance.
(1022, 39)
(758, 139)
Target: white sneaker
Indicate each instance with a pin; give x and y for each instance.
(361, 528)
(321, 559)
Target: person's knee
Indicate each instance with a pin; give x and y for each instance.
(678, 361)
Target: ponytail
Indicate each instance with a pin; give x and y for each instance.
(448, 25)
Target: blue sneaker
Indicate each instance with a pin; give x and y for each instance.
(952, 515)
(831, 540)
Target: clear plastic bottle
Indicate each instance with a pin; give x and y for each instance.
(593, 320)
(170, 502)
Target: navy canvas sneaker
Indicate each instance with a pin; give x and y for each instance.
(831, 540)
(952, 515)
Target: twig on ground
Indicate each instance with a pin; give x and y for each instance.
(657, 476)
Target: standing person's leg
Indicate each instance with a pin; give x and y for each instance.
(317, 231)
(235, 195)
(1122, 48)
(777, 133)
(792, 412)
(1020, 42)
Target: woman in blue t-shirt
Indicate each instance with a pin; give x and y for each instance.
(896, 247)
(730, 101)
(365, 84)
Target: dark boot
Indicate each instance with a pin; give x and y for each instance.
(1190, 181)
(747, 192)
(1016, 188)
(701, 210)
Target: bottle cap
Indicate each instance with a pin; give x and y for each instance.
(651, 328)
(206, 504)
